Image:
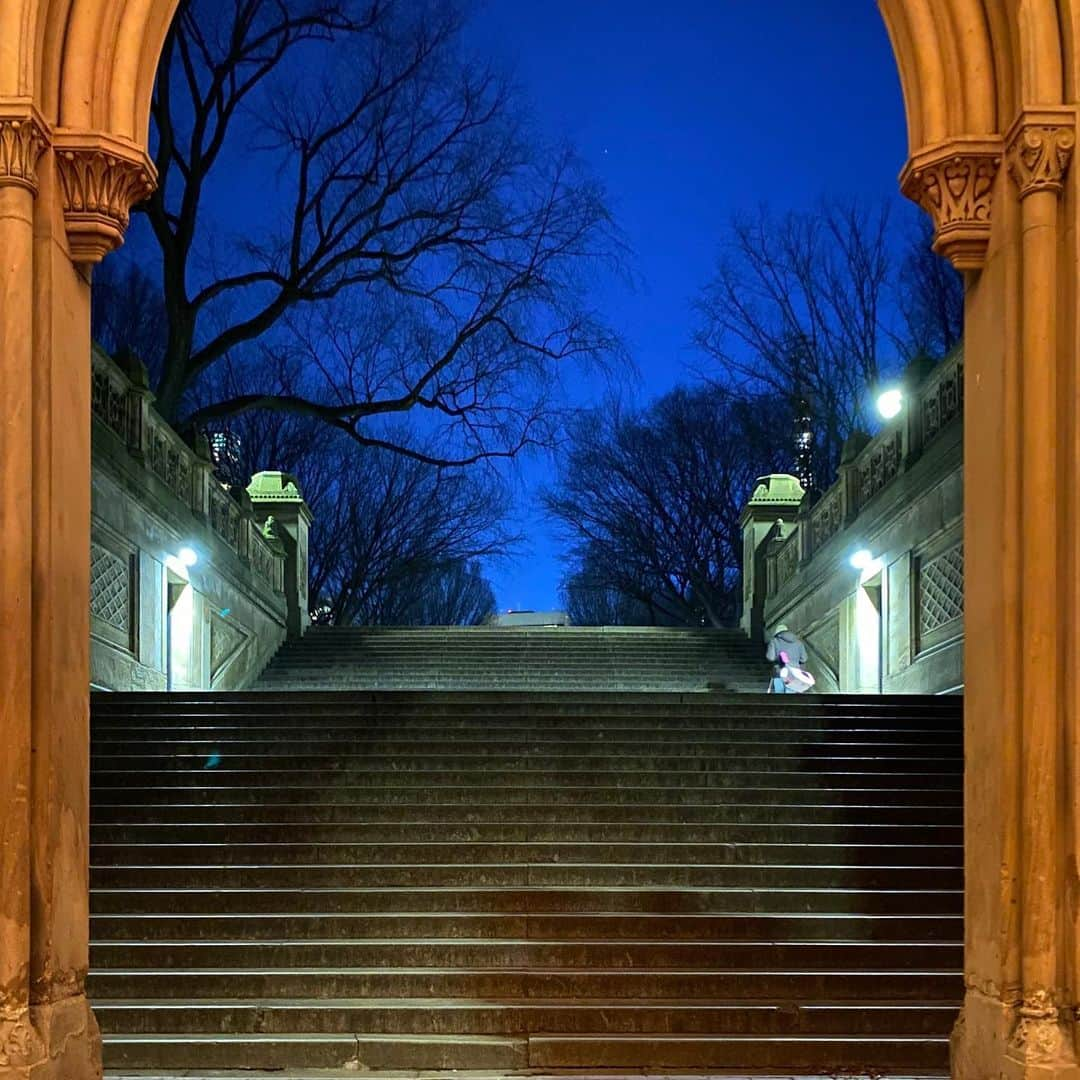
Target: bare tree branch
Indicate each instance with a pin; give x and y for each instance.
(409, 196)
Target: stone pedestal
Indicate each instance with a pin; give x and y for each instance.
(775, 498)
(277, 495)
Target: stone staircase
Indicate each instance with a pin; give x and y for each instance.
(518, 658)
(525, 881)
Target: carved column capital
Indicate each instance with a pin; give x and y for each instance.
(954, 183)
(101, 179)
(1040, 148)
(23, 137)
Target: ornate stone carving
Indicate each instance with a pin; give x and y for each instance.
(827, 518)
(954, 184)
(1040, 149)
(878, 468)
(23, 136)
(100, 180)
(943, 404)
(20, 1044)
(1038, 1037)
(787, 561)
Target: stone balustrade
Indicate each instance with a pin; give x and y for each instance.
(932, 407)
(125, 406)
(155, 622)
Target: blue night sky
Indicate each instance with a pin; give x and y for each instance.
(690, 111)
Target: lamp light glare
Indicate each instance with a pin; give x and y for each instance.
(861, 559)
(890, 403)
(187, 557)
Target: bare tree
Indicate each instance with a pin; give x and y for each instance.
(796, 308)
(128, 313)
(591, 600)
(456, 594)
(417, 245)
(388, 530)
(651, 501)
(930, 295)
(819, 307)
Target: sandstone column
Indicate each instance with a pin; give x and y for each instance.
(56, 220)
(22, 137)
(1021, 712)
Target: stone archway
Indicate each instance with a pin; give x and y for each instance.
(991, 89)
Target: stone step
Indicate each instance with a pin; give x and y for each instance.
(570, 798)
(639, 816)
(530, 853)
(831, 775)
(559, 741)
(563, 833)
(520, 875)
(529, 954)
(537, 902)
(556, 745)
(808, 759)
(424, 1016)
(740, 927)
(317, 1051)
(855, 986)
(349, 684)
(525, 706)
(382, 719)
(892, 705)
(502, 662)
(545, 729)
(751, 1053)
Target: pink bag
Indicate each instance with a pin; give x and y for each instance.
(794, 679)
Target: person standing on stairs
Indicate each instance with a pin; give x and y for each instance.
(788, 643)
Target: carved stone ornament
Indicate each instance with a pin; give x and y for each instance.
(20, 1044)
(23, 136)
(1039, 1037)
(101, 179)
(1040, 150)
(954, 183)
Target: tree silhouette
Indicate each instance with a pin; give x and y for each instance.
(405, 233)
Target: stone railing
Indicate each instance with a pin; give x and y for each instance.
(933, 407)
(125, 407)
(784, 564)
(824, 521)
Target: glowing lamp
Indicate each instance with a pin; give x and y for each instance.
(861, 559)
(187, 556)
(890, 403)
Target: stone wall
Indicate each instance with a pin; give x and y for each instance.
(895, 625)
(157, 622)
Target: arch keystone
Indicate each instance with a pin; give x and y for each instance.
(101, 179)
(953, 182)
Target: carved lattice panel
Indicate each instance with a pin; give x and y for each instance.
(110, 588)
(941, 590)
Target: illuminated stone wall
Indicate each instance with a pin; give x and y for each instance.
(895, 625)
(155, 622)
